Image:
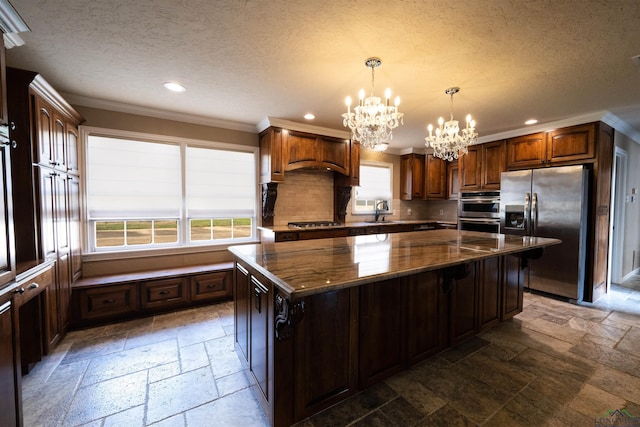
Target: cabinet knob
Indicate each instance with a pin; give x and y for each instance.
(12, 125)
(12, 144)
(108, 301)
(19, 291)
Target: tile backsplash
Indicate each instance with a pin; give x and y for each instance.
(307, 195)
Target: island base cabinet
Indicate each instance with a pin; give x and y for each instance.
(310, 353)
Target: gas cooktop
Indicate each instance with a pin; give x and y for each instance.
(313, 224)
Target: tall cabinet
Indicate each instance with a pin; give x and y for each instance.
(46, 132)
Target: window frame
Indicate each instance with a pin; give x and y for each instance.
(389, 209)
(183, 245)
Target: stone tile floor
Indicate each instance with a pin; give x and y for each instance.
(554, 364)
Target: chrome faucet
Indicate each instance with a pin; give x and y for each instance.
(384, 207)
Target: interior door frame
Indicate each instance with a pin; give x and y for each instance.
(617, 215)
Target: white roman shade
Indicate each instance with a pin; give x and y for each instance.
(375, 183)
(129, 179)
(220, 183)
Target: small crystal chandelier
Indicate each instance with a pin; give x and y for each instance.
(371, 121)
(447, 143)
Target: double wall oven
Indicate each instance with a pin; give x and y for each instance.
(479, 211)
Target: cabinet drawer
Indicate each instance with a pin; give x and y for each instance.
(286, 237)
(32, 286)
(164, 292)
(211, 286)
(108, 301)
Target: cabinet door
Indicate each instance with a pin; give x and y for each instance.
(427, 316)
(334, 153)
(435, 178)
(260, 339)
(271, 156)
(73, 219)
(47, 208)
(52, 319)
(571, 144)
(58, 133)
(9, 377)
(463, 318)
(241, 310)
(412, 176)
(300, 149)
(512, 286)
(382, 337)
(528, 151)
(4, 113)
(325, 369)
(490, 286)
(71, 148)
(453, 181)
(494, 162)
(44, 145)
(108, 302)
(7, 260)
(470, 165)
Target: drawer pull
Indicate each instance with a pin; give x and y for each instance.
(19, 291)
(33, 286)
(211, 285)
(164, 292)
(108, 301)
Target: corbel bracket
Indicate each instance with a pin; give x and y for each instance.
(287, 316)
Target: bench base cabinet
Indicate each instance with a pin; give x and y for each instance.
(114, 301)
(306, 355)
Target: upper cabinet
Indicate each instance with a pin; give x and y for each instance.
(453, 180)
(573, 144)
(4, 115)
(283, 150)
(412, 176)
(481, 167)
(435, 174)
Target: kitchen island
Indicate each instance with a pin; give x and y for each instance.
(317, 321)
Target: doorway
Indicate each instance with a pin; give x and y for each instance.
(616, 223)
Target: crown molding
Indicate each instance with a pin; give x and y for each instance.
(12, 40)
(268, 122)
(10, 20)
(121, 107)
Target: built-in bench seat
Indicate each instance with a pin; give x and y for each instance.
(115, 297)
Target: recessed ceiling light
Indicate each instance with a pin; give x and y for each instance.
(174, 87)
(309, 116)
(531, 122)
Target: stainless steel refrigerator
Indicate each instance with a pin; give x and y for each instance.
(550, 202)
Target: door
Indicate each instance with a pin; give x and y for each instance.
(616, 225)
(558, 210)
(515, 202)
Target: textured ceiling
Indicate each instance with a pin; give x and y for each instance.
(244, 60)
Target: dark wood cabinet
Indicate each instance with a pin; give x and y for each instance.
(453, 180)
(382, 342)
(241, 310)
(271, 156)
(490, 292)
(10, 400)
(512, 286)
(427, 311)
(568, 145)
(463, 305)
(435, 178)
(7, 241)
(211, 286)
(260, 339)
(107, 302)
(481, 167)
(4, 114)
(412, 176)
(164, 292)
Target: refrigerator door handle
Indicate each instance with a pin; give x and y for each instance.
(534, 214)
(527, 213)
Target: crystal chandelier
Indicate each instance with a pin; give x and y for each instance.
(448, 143)
(372, 121)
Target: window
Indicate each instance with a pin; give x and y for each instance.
(144, 193)
(374, 189)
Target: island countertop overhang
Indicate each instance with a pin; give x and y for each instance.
(310, 267)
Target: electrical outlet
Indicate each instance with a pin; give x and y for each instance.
(409, 211)
(441, 212)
